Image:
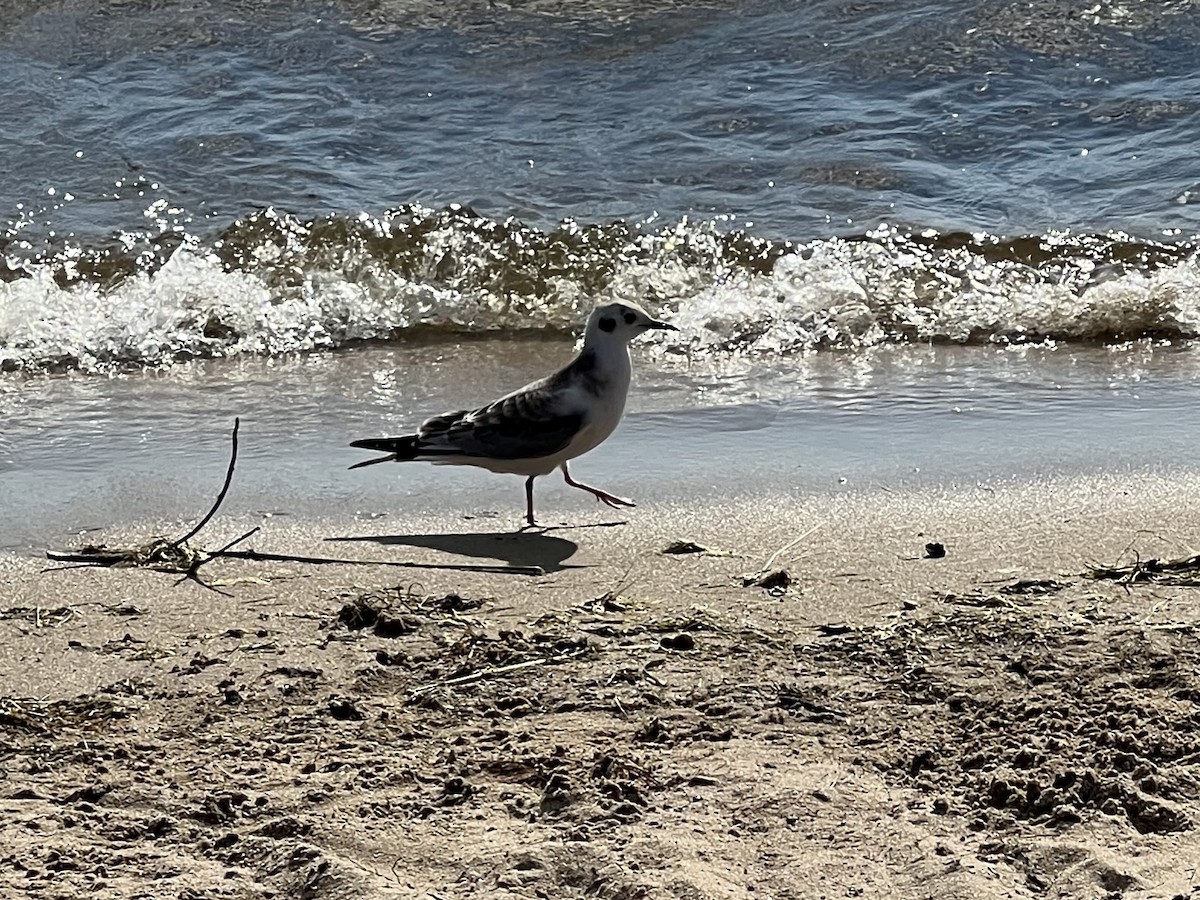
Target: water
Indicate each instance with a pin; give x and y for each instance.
(107, 452)
(958, 232)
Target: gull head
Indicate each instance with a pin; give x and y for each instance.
(621, 321)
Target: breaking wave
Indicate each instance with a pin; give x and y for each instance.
(274, 284)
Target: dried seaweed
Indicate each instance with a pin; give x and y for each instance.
(1182, 572)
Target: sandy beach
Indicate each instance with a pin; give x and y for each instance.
(884, 622)
(631, 723)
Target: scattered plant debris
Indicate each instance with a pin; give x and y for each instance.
(776, 582)
(42, 717)
(1182, 572)
(685, 548)
(680, 548)
(1033, 587)
(832, 629)
(38, 616)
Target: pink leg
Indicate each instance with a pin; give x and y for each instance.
(602, 496)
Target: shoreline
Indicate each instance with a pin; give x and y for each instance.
(902, 420)
(636, 720)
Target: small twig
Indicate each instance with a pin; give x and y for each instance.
(224, 489)
(90, 564)
(191, 575)
(193, 571)
(788, 546)
(84, 560)
(496, 671)
(1183, 572)
(235, 541)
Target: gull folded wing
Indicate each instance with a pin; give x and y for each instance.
(522, 426)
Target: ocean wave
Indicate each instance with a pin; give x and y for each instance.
(274, 284)
(889, 287)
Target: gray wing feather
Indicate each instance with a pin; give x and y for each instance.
(526, 424)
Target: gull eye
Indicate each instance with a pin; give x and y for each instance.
(608, 323)
(630, 318)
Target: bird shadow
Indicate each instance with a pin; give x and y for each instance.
(532, 548)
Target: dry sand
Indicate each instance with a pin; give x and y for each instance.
(630, 724)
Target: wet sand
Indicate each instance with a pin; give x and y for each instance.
(632, 723)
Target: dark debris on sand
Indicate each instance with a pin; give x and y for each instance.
(1002, 713)
(575, 725)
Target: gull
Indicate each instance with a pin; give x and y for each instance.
(542, 426)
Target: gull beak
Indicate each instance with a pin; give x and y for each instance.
(661, 326)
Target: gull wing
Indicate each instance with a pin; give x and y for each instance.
(533, 422)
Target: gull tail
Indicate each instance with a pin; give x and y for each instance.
(398, 449)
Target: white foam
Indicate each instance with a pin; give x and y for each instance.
(858, 294)
(295, 295)
(193, 307)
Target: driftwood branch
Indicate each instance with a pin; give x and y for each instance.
(224, 551)
(237, 422)
(193, 571)
(178, 557)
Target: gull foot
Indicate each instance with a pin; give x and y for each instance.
(604, 496)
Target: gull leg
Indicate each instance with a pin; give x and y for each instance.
(602, 496)
(529, 502)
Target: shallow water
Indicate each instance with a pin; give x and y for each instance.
(83, 452)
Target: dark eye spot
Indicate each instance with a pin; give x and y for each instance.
(608, 323)
(630, 318)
